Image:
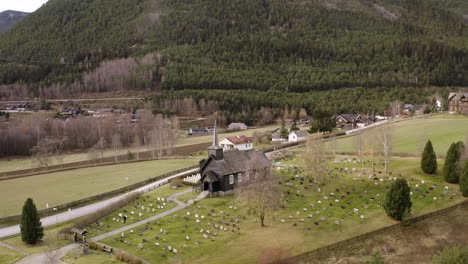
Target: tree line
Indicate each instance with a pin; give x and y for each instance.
(48, 139)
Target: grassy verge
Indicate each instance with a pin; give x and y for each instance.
(417, 243)
(50, 241)
(94, 257)
(9, 256)
(62, 187)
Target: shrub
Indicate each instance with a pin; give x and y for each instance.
(93, 245)
(429, 159)
(454, 255)
(452, 168)
(31, 226)
(376, 258)
(397, 203)
(125, 257)
(94, 217)
(464, 181)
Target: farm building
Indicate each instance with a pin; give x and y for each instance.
(237, 126)
(236, 142)
(221, 171)
(350, 121)
(276, 136)
(458, 103)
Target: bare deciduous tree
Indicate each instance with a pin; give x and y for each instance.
(385, 138)
(359, 145)
(258, 190)
(371, 147)
(316, 160)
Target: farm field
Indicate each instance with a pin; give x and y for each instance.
(66, 186)
(347, 206)
(411, 135)
(21, 163)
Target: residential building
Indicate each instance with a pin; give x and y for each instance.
(298, 135)
(237, 126)
(237, 142)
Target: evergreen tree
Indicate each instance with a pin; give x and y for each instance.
(283, 131)
(429, 160)
(451, 170)
(398, 202)
(464, 181)
(31, 226)
(294, 126)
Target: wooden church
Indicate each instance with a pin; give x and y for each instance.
(222, 170)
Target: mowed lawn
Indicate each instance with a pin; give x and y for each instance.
(62, 187)
(411, 135)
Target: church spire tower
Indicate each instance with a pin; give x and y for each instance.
(215, 150)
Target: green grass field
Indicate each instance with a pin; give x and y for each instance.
(66, 186)
(410, 136)
(8, 256)
(356, 190)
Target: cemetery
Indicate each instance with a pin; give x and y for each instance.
(312, 216)
(149, 204)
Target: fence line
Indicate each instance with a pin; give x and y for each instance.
(113, 160)
(48, 211)
(308, 255)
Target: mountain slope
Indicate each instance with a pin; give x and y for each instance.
(291, 45)
(9, 18)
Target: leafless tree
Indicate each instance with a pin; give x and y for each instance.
(316, 160)
(258, 190)
(359, 145)
(396, 106)
(136, 144)
(385, 138)
(116, 145)
(371, 147)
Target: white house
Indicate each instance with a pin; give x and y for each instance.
(237, 126)
(237, 142)
(297, 135)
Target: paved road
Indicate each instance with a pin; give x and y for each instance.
(55, 255)
(81, 211)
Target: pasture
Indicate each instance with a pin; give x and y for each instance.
(66, 186)
(410, 136)
(348, 205)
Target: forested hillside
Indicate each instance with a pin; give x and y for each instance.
(8, 18)
(286, 45)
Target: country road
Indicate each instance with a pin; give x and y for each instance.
(74, 100)
(82, 211)
(55, 255)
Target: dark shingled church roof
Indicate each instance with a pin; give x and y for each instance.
(234, 161)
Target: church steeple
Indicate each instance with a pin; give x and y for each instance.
(215, 150)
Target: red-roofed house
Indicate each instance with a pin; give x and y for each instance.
(237, 142)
